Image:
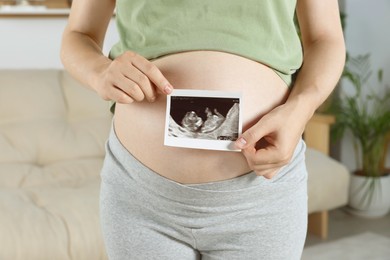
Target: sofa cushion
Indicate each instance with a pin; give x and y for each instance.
(328, 182)
(46, 117)
(51, 222)
(52, 135)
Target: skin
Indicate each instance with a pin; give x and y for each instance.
(132, 78)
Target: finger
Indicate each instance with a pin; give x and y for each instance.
(260, 169)
(260, 157)
(129, 87)
(152, 72)
(119, 96)
(251, 136)
(249, 154)
(268, 173)
(266, 169)
(270, 155)
(142, 81)
(271, 174)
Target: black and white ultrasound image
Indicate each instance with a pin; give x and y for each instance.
(204, 118)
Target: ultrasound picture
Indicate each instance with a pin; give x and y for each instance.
(208, 118)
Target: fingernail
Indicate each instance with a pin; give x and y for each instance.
(241, 142)
(168, 89)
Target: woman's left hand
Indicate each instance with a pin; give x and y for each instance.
(270, 143)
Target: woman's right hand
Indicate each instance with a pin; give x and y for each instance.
(130, 77)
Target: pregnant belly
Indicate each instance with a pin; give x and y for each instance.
(140, 125)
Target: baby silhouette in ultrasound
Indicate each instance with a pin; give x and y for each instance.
(195, 123)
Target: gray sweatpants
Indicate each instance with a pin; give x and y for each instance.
(146, 216)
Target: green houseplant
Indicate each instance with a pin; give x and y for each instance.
(366, 114)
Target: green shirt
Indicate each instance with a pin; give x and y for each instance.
(261, 30)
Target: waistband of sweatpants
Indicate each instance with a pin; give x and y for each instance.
(237, 189)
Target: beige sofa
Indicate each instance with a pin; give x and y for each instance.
(52, 135)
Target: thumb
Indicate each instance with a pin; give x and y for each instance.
(251, 136)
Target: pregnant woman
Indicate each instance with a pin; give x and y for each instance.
(160, 202)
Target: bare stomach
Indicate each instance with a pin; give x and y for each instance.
(140, 125)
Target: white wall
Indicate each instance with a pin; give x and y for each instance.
(367, 31)
(35, 42)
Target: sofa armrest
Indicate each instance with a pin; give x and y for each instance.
(317, 132)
